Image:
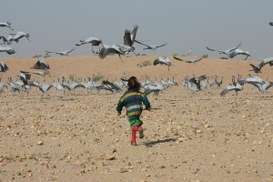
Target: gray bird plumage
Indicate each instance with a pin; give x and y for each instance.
(231, 53)
(90, 40)
(2, 86)
(5, 40)
(3, 67)
(163, 60)
(234, 86)
(41, 64)
(188, 61)
(62, 53)
(259, 83)
(6, 24)
(130, 36)
(151, 47)
(8, 50)
(17, 36)
(110, 50)
(258, 68)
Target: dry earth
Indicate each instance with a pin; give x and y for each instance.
(77, 136)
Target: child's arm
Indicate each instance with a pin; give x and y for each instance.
(146, 102)
(119, 107)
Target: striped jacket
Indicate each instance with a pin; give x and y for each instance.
(133, 103)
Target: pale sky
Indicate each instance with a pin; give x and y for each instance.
(56, 25)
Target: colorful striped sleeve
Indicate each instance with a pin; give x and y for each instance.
(119, 106)
(133, 101)
(145, 101)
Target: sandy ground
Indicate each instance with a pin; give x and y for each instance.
(77, 136)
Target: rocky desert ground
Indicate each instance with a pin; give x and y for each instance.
(77, 135)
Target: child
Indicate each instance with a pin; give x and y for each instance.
(132, 99)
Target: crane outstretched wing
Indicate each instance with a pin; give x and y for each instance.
(234, 48)
(133, 34)
(141, 43)
(210, 49)
(161, 45)
(127, 38)
(177, 58)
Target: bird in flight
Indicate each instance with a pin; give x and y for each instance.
(231, 53)
(185, 54)
(110, 50)
(90, 40)
(188, 61)
(6, 24)
(62, 53)
(257, 69)
(237, 52)
(8, 50)
(5, 40)
(163, 60)
(130, 36)
(17, 36)
(129, 39)
(226, 52)
(151, 47)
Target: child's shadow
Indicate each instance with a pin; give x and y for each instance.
(152, 143)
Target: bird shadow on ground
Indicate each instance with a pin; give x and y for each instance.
(152, 143)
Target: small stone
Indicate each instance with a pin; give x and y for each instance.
(197, 130)
(110, 157)
(40, 143)
(162, 167)
(123, 170)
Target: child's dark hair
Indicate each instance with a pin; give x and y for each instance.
(133, 84)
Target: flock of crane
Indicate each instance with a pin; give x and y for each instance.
(23, 83)
(194, 84)
(129, 39)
